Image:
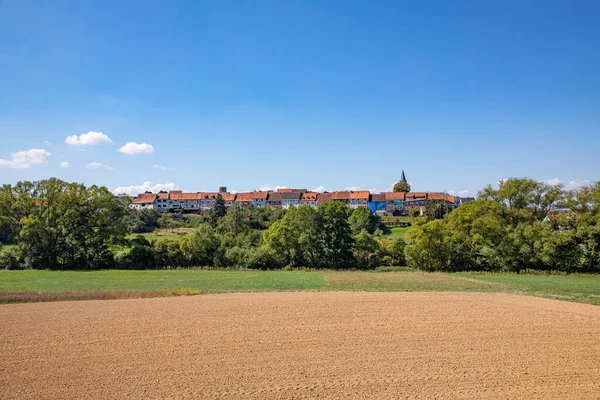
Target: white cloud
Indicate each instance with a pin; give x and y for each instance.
(88, 139)
(358, 188)
(577, 184)
(64, 164)
(136, 148)
(267, 186)
(162, 167)
(319, 189)
(24, 159)
(47, 143)
(460, 193)
(553, 182)
(146, 186)
(96, 165)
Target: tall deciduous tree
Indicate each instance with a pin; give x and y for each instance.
(219, 210)
(63, 225)
(402, 187)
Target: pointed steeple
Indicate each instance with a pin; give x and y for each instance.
(403, 178)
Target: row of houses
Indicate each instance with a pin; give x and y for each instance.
(387, 203)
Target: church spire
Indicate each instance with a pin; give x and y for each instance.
(403, 178)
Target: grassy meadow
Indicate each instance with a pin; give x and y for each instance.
(28, 285)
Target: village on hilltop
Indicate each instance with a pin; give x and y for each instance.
(382, 204)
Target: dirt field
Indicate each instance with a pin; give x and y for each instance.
(301, 345)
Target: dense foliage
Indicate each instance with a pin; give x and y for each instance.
(60, 225)
(523, 224)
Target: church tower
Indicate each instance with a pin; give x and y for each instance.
(403, 177)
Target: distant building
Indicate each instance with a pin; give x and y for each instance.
(309, 199)
(323, 198)
(259, 198)
(163, 201)
(359, 198)
(185, 201)
(377, 204)
(341, 197)
(290, 199)
(244, 199)
(274, 199)
(383, 204)
(207, 200)
(146, 200)
(228, 198)
(394, 203)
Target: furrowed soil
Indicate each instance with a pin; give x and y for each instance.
(300, 345)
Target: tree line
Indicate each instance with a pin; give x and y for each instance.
(54, 224)
(521, 225)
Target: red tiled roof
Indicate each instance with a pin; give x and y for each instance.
(416, 195)
(144, 198)
(309, 196)
(436, 196)
(228, 196)
(360, 195)
(323, 198)
(186, 196)
(163, 195)
(340, 195)
(208, 195)
(243, 197)
(378, 198)
(291, 195)
(259, 195)
(390, 196)
(284, 190)
(275, 196)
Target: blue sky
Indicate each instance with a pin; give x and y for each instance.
(330, 94)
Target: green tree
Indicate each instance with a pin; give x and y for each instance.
(235, 221)
(366, 250)
(201, 246)
(436, 209)
(337, 238)
(363, 219)
(62, 225)
(402, 187)
(525, 198)
(218, 210)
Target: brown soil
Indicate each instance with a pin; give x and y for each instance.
(301, 345)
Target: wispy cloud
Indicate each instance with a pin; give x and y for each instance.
(319, 189)
(134, 190)
(25, 159)
(577, 184)
(97, 165)
(358, 188)
(88, 139)
(553, 182)
(460, 193)
(64, 164)
(136, 148)
(267, 186)
(163, 168)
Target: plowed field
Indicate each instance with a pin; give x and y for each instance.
(301, 345)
